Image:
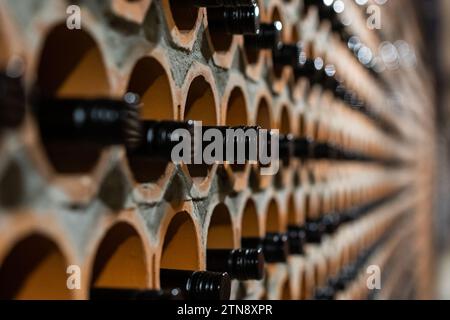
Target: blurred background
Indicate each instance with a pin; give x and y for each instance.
(435, 18)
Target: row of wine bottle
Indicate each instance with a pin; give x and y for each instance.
(349, 273)
(248, 263)
(106, 122)
(242, 17)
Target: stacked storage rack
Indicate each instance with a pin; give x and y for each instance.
(121, 219)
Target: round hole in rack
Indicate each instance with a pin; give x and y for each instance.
(71, 66)
(285, 122)
(184, 14)
(250, 222)
(291, 210)
(220, 231)
(237, 116)
(120, 261)
(273, 223)
(150, 80)
(200, 106)
(263, 118)
(35, 269)
(180, 248)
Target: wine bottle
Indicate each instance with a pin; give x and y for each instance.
(236, 20)
(197, 285)
(134, 294)
(102, 122)
(275, 246)
(297, 239)
(240, 264)
(268, 37)
(288, 55)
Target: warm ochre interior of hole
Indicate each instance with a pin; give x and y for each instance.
(263, 119)
(34, 269)
(72, 65)
(250, 224)
(294, 35)
(237, 115)
(4, 50)
(200, 103)
(302, 126)
(220, 232)
(150, 81)
(286, 291)
(120, 261)
(285, 125)
(200, 106)
(237, 109)
(184, 14)
(291, 212)
(180, 248)
(273, 218)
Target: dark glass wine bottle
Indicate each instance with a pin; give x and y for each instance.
(197, 285)
(240, 264)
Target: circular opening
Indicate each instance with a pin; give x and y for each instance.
(250, 221)
(151, 82)
(273, 224)
(121, 260)
(184, 14)
(263, 118)
(35, 269)
(200, 106)
(237, 116)
(220, 232)
(180, 248)
(71, 65)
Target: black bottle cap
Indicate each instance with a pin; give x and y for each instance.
(241, 264)
(297, 239)
(268, 37)
(331, 222)
(110, 294)
(286, 148)
(288, 55)
(205, 285)
(239, 20)
(303, 147)
(276, 247)
(247, 264)
(314, 231)
(98, 121)
(325, 293)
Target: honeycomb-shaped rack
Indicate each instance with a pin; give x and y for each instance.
(121, 220)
